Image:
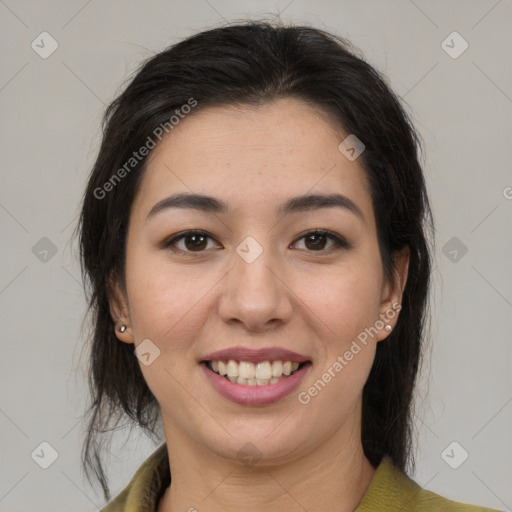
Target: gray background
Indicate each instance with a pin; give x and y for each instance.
(51, 111)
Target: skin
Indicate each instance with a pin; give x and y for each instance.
(314, 301)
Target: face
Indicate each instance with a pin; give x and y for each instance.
(258, 276)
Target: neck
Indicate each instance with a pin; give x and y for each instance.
(335, 472)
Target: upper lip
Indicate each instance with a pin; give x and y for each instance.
(256, 355)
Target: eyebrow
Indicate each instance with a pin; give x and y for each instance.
(304, 203)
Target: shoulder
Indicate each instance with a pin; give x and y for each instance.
(429, 501)
(146, 486)
(391, 490)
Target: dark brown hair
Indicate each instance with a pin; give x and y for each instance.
(241, 64)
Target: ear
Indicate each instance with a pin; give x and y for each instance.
(391, 301)
(119, 311)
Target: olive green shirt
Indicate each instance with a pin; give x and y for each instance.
(390, 490)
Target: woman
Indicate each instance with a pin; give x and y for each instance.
(255, 233)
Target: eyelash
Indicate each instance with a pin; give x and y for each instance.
(339, 242)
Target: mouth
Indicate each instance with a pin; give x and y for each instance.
(251, 377)
(249, 373)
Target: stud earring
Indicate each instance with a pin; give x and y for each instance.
(387, 328)
(122, 328)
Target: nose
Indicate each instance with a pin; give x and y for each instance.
(256, 294)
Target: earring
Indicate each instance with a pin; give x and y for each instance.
(122, 328)
(388, 328)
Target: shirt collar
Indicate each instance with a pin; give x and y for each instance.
(389, 485)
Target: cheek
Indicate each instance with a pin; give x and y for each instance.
(346, 298)
(168, 308)
(335, 393)
(347, 303)
(162, 298)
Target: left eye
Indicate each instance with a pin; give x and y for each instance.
(316, 240)
(197, 241)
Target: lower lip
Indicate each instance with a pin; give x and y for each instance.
(255, 395)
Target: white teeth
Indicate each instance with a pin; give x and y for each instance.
(232, 368)
(245, 370)
(277, 369)
(249, 374)
(264, 371)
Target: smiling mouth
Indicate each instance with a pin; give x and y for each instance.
(247, 373)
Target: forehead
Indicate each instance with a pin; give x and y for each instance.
(253, 157)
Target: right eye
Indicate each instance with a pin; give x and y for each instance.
(191, 241)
